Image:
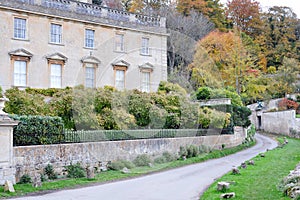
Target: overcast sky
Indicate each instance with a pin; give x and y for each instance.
(294, 4)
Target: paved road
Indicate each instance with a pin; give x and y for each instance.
(184, 183)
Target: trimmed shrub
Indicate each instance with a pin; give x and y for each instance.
(120, 164)
(25, 179)
(203, 93)
(75, 171)
(164, 158)
(204, 149)
(160, 160)
(49, 171)
(142, 160)
(45, 92)
(168, 156)
(34, 130)
(192, 151)
(182, 152)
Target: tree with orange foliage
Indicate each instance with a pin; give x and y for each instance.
(230, 58)
(244, 14)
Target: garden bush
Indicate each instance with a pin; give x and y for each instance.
(75, 171)
(192, 151)
(34, 130)
(204, 149)
(142, 160)
(203, 93)
(25, 179)
(164, 158)
(49, 171)
(22, 103)
(120, 164)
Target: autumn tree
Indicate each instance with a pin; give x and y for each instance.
(244, 14)
(186, 6)
(229, 60)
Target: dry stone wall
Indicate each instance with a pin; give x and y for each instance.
(33, 159)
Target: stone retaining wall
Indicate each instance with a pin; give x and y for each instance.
(33, 159)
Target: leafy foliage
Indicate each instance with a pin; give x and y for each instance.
(75, 171)
(142, 160)
(22, 103)
(49, 171)
(244, 14)
(1, 94)
(119, 165)
(285, 104)
(203, 93)
(25, 179)
(33, 130)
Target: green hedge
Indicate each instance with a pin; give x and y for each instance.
(34, 130)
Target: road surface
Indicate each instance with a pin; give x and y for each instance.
(185, 183)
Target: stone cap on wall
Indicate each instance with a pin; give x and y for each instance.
(92, 13)
(211, 102)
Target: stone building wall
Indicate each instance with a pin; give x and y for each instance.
(75, 17)
(33, 159)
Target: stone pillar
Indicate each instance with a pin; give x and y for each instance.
(7, 168)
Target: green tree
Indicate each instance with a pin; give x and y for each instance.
(278, 38)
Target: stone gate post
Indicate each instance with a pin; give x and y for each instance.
(7, 168)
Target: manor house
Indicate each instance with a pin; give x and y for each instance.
(59, 43)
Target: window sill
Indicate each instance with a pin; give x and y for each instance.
(119, 51)
(142, 54)
(58, 44)
(90, 48)
(20, 39)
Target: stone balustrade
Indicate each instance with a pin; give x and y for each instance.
(76, 9)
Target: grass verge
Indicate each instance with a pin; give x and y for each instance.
(25, 189)
(298, 116)
(262, 180)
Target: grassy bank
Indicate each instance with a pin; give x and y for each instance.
(261, 181)
(23, 189)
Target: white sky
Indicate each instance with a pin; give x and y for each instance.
(294, 4)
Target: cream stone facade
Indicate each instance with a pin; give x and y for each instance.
(59, 43)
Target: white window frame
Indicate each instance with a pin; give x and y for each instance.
(120, 84)
(20, 28)
(146, 84)
(55, 33)
(119, 42)
(55, 79)
(90, 78)
(20, 75)
(89, 41)
(145, 50)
